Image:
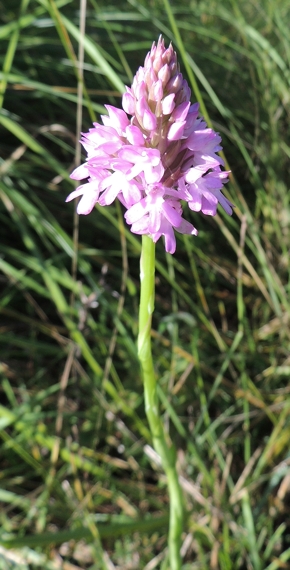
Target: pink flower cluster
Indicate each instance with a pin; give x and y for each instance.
(153, 154)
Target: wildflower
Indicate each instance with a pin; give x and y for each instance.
(153, 154)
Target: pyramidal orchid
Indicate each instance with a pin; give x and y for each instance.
(154, 154)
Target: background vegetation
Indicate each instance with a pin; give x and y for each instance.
(81, 487)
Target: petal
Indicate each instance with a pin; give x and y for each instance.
(167, 231)
(78, 192)
(140, 226)
(131, 193)
(174, 84)
(136, 212)
(87, 202)
(193, 175)
(156, 91)
(210, 197)
(170, 241)
(168, 104)
(134, 136)
(80, 172)
(164, 74)
(226, 204)
(153, 174)
(194, 198)
(109, 195)
(140, 90)
(110, 147)
(208, 207)
(149, 120)
(176, 131)
(154, 220)
(171, 214)
(90, 187)
(180, 112)
(186, 228)
(128, 102)
(118, 117)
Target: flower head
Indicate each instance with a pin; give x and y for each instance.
(153, 154)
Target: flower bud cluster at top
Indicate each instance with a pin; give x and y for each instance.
(162, 155)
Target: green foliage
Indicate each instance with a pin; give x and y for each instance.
(80, 484)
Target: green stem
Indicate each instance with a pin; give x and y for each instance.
(163, 446)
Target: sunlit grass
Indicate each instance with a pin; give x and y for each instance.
(81, 486)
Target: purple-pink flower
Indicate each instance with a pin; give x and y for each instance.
(154, 154)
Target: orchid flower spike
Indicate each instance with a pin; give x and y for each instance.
(153, 154)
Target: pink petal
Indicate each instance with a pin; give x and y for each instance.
(136, 212)
(176, 131)
(171, 214)
(153, 175)
(140, 90)
(170, 241)
(180, 112)
(134, 136)
(154, 220)
(156, 91)
(118, 117)
(168, 104)
(149, 120)
(80, 172)
(194, 198)
(164, 74)
(87, 202)
(128, 102)
(208, 207)
(193, 175)
(92, 187)
(186, 228)
(75, 194)
(226, 204)
(174, 84)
